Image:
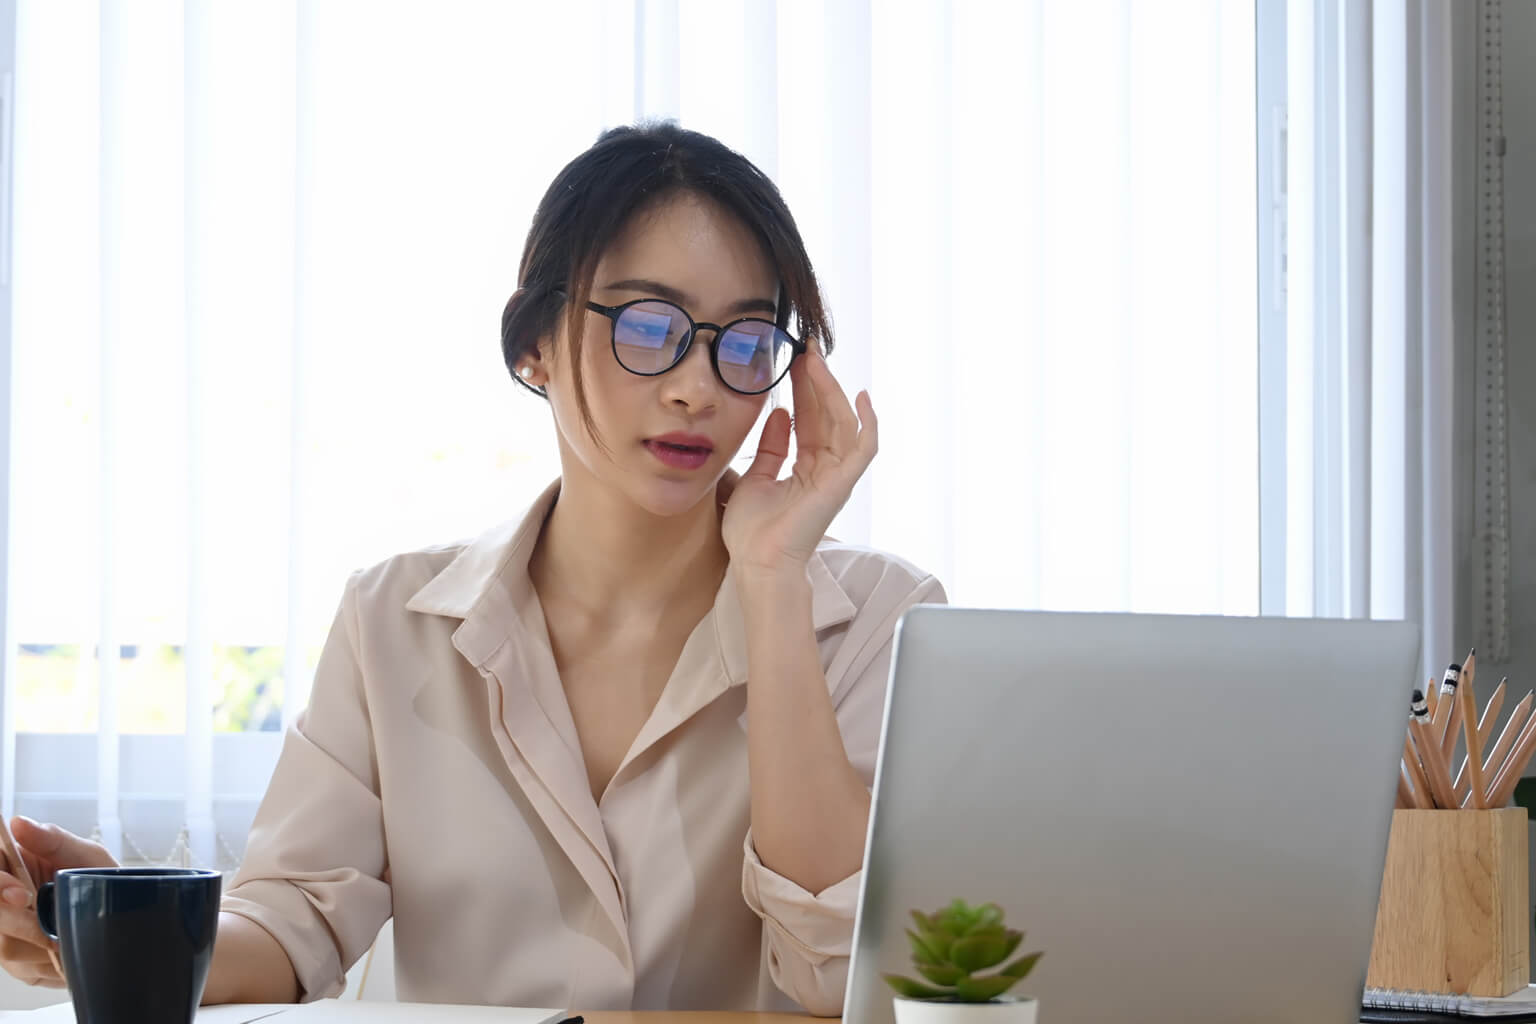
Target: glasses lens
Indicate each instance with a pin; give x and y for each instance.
(753, 355)
(648, 335)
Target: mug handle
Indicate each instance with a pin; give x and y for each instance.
(45, 911)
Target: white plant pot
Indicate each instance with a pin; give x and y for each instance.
(1008, 1010)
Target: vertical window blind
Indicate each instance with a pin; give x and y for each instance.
(1369, 341)
(260, 253)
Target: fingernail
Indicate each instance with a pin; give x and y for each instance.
(17, 896)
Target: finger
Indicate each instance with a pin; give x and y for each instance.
(772, 447)
(23, 959)
(14, 891)
(58, 847)
(32, 966)
(809, 429)
(36, 868)
(869, 427)
(841, 425)
(19, 929)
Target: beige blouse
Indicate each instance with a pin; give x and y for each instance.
(436, 776)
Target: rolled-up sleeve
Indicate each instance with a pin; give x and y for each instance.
(810, 935)
(315, 864)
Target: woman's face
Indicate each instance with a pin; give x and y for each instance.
(670, 437)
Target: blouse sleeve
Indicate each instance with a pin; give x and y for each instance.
(315, 871)
(810, 935)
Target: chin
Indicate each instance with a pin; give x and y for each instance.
(667, 498)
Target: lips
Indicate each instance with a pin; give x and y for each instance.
(681, 451)
(680, 440)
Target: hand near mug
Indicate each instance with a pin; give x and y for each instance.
(25, 952)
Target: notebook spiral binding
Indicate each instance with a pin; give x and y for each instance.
(1442, 1005)
(1407, 999)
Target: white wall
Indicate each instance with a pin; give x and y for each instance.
(1519, 86)
(1520, 257)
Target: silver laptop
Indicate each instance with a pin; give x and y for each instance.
(1189, 815)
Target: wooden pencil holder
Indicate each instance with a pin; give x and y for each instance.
(1454, 900)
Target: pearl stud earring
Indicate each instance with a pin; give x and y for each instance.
(526, 373)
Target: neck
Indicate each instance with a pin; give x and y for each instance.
(602, 553)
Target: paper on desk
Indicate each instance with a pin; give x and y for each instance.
(64, 1013)
(347, 1011)
(327, 1011)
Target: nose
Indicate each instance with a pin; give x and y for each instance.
(692, 383)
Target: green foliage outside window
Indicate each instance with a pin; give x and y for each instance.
(57, 690)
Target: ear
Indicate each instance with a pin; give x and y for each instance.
(530, 369)
(533, 365)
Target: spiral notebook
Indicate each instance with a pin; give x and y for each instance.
(1394, 1006)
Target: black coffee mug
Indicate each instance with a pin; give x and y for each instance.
(136, 942)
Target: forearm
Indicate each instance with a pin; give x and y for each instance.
(810, 808)
(249, 966)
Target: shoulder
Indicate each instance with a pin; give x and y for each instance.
(877, 581)
(876, 589)
(391, 583)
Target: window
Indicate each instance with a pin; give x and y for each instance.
(261, 253)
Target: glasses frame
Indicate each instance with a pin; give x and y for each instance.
(694, 326)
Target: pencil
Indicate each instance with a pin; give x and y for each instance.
(1428, 746)
(1490, 715)
(1509, 775)
(1446, 710)
(1461, 788)
(1495, 759)
(1434, 766)
(1404, 794)
(1422, 797)
(1485, 731)
(1467, 696)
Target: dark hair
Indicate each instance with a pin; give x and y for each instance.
(628, 171)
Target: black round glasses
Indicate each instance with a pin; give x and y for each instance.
(651, 336)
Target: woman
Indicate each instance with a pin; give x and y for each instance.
(617, 754)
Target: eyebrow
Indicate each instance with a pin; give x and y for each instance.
(672, 295)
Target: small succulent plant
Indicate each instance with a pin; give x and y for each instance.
(953, 945)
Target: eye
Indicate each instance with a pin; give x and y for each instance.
(644, 328)
(737, 350)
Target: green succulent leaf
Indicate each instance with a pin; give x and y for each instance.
(922, 952)
(979, 990)
(1014, 937)
(914, 989)
(941, 941)
(941, 974)
(955, 943)
(978, 952)
(989, 915)
(955, 917)
(1022, 966)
